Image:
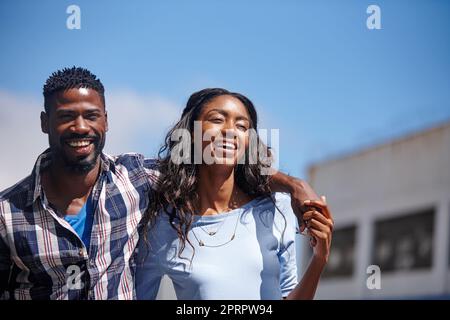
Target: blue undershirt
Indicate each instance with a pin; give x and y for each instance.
(82, 222)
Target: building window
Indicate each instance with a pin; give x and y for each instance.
(342, 254)
(404, 243)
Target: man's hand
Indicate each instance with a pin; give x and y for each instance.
(300, 191)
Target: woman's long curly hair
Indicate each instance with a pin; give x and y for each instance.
(175, 193)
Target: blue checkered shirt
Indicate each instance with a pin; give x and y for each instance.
(42, 257)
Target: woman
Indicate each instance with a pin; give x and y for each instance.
(215, 228)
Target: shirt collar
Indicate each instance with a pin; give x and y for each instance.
(43, 162)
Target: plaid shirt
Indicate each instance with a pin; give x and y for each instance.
(42, 257)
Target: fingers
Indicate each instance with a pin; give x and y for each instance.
(316, 216)
(319, 204)
(319, 226)
(315, 203)
(318, 235)
(302, 227)
(320, 231)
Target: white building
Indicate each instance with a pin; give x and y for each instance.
(391, 206)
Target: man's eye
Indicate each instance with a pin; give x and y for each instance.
(92, 117)
(65, 117)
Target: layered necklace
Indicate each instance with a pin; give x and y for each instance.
(213, 233)
(201, 243)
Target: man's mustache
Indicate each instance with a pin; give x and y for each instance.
(75, 136)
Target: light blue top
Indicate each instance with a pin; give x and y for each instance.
(259, 263)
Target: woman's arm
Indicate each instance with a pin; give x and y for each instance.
(320, 228)
(306, 289)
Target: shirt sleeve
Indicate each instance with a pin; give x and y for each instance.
(148, 273)
(287, 252)
(151, 169)
(5, 262)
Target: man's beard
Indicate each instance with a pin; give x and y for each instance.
(82, 164)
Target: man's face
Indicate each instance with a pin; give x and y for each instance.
(76, 124)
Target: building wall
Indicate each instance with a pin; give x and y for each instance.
(386, 181)
(394, 179)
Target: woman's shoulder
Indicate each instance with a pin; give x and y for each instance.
(278, 200)
(275, 212)
(284, 206)
(282, 198)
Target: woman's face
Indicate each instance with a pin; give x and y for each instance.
(225, 123)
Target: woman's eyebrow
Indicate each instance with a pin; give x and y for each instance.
(242, 118)
(224, 113)
(218, 111)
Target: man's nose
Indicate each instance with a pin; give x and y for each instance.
(80, 125)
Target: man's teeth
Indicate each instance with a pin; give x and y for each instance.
(79, 143)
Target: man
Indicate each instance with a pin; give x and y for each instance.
(69, 230)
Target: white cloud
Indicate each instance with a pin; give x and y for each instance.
(21, 136)
(136, 123)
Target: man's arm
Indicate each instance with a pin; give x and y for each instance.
(299, 189)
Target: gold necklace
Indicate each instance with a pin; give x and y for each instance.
(203, 244)
(213, 233)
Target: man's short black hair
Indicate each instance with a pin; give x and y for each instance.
(69, 78)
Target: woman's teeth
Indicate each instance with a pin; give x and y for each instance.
(226, 146)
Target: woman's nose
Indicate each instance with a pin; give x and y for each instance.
(228, 126)
(229, 134)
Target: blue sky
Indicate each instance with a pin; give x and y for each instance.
(313, 68)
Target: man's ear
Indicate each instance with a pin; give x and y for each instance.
(44, 122)
(106, 121)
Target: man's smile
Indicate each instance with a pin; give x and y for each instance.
(80, 147)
